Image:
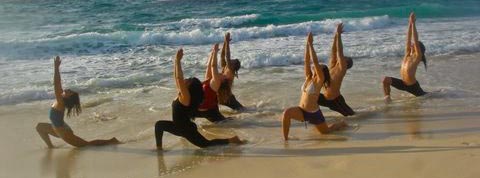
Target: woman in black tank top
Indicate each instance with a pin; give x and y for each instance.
(190, 95)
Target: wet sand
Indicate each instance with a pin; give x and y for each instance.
(433, 136)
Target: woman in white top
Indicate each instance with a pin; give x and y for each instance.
(308, 109)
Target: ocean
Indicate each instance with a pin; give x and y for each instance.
(128, 44)
(118, 56)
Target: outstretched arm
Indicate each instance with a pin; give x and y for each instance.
(208, 72)
(216, 80)
(227, 69)
(333, 56)
(409, 36)
(341, 59)
(308, 71)
(313, 54)
(226, 51)
(57, 81)
(223, 59)
(417, 50)
(184, 95)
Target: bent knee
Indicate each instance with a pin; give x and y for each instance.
(38, 127)
(288, 111)
(76, 144)
(73, 142)
(159, 125)
(387, 80)
(324, 130)
(285, 113)
(42, 126)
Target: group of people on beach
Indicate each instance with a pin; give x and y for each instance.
(201, 99)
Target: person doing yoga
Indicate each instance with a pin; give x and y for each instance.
(211, 87)
(189, 97)
(308, 109)
(68, 100)
(414, 54)
(339, 64)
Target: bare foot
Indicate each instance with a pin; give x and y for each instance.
(115, 141)
(387, 99)
(343, 124)
(236, 140)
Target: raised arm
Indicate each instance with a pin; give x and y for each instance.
(333, 56)
(208, 72)
(223, 59)
(308, 71)
(217, 79)
(184, 95)
(313, 54)
(227, 69)
(226, 51)
(341, 59)
(57, 81)
(409, 36)
(418, 51)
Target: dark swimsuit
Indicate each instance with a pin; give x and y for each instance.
(232, 103)
(338, 104)
(314, 118)
(56, 117)
(209, 105)
(414, 89)
(183, 126)
(212, 115)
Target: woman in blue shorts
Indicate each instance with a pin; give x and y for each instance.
(70, 101)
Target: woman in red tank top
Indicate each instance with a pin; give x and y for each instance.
(213, 80)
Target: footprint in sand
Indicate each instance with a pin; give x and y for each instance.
(469, 144)
(353, 128)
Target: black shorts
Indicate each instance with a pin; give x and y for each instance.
(414, 89)
(233, 103)
(338, 104)
(314, 118)
(213, 115)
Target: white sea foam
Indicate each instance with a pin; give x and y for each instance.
(372, 36)
(193, 23)
(25, 95)
(223, 22)
(93, 42)
(125, 60)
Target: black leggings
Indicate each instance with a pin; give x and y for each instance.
(338, 104)
(213, 115)
(232, 103)
(188, 131)
(414, 89)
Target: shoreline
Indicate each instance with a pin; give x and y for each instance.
(432, 136)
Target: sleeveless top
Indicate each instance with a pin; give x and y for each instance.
(310, 89)
(209, 97)
(182, 117)
(56, 117)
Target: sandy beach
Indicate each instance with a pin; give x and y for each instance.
(412, 137)
(118, 55)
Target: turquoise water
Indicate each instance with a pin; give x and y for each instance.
(128, 44)
(110, 16)
(117, 26)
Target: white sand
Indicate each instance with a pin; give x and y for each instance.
(435, 136)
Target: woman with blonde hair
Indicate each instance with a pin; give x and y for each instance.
(70, 101)
(308, 110)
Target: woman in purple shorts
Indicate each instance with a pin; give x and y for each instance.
(308, 109)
